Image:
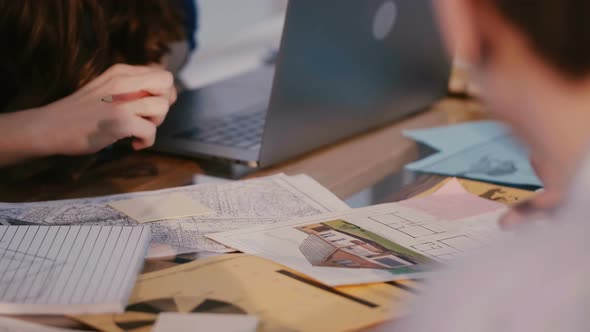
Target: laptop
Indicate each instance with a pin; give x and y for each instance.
(344, 67)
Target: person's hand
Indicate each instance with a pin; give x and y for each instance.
(125, 101)
(540, 204)
(534, 208)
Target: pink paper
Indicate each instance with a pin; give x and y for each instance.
(452, 202)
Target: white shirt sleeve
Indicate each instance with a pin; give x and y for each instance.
(538, 282)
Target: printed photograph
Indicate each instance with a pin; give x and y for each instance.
(339, 243)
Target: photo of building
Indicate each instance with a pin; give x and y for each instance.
(327, 244)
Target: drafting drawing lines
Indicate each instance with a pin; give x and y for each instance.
(448, 248)
(441, 247)
(482, 157)
(89, 214)
(410, 228)
(21, 273)
(436, 249)
(428, 247)
(236, 205)
(461, 242)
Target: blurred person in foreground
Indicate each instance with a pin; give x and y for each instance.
(533, 66)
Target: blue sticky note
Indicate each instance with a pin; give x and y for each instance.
(482, 150)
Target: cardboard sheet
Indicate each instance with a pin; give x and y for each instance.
(282, 299)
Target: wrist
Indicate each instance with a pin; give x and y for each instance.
(23, 137)
(40, 135)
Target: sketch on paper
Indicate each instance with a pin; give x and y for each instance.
(378, 243)
(492, 166)
(235, 204)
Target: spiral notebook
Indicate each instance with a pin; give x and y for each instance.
(69, 269)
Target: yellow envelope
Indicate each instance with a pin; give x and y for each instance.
(282, 299)
(494, 192)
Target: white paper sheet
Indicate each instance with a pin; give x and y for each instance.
(205, 322)
(375, 244)
(69, 269)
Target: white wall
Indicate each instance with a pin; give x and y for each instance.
(235, 36)
(221, 19)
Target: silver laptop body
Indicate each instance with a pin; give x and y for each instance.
(344, 67)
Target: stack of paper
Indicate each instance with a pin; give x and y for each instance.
(69, 269)
(181, 217)
(383, 243)
(379, 243)
(318, 241)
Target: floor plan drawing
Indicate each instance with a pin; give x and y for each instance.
(414, 229)
(462, 242)
(442, 240)
(379, 243)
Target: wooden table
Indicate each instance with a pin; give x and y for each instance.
(345, 168)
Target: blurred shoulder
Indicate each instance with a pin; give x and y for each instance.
(536, 281)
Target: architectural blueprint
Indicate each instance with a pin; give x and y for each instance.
(236, 205)
(379, 243)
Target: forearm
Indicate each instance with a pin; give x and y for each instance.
(22, 137)
(82, 123)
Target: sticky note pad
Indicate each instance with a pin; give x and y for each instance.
(205, 322)
(161, 207)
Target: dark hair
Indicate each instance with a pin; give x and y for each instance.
(557, 29)
(53, 47)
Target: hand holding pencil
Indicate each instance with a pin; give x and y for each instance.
(124, 102)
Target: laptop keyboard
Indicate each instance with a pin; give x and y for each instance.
(238, 130)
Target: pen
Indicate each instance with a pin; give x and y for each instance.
(122, 145)
(125, 96)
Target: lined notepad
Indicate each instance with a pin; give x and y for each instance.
(69, 269)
